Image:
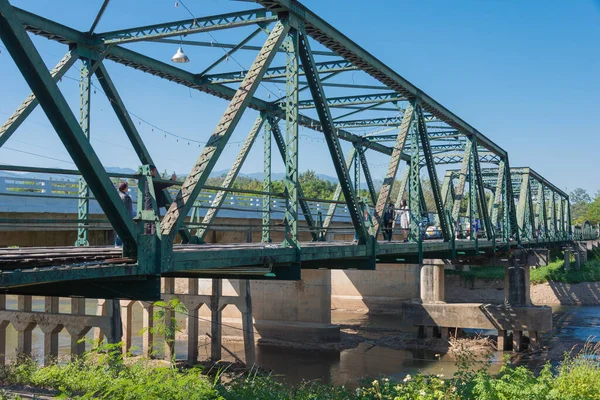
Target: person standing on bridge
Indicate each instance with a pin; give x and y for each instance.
(404, 218)
(126, 199)
(161, 198)
(388, 222)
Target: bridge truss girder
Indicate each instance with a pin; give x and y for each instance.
(428, 136)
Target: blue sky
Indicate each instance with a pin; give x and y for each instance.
(525, 73)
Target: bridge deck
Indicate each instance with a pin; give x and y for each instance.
(26, 266)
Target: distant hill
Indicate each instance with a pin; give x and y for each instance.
(119, 170)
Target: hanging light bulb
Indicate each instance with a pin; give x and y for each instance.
(180, 56)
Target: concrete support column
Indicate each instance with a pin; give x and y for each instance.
(432, 283)
(3, 325)
(127, 322)
(77, 308)
(295, 310)
(577, 258)
(192, 324)
(516, 283)
(148, 335)
(502, 345)
(24, 333)
(50, 338)
(583, 251)
(216, 319)
(567, 259)
(169, 288)
(247, 322)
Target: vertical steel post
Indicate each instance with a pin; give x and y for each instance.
(291, 140)
(83, 208)
(367, 174)
(357, 177)
(433, 180)
(414, 186)
(266, 200)
(554, 229)
(498, 195)
(460, 188)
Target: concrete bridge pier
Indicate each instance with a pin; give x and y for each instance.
(567, 257)
(295, 310)
(432, 292)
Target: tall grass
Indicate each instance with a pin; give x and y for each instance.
(107, 376)
(553, 272)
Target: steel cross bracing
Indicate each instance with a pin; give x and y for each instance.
(429, 136)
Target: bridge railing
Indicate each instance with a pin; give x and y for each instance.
(32, 195)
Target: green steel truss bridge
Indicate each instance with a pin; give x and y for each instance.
(515, 207)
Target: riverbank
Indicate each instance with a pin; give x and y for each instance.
(104, 375)
(550, 285)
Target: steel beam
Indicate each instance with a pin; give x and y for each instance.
(233, 172)
(523, 203)
(498, 195)
(335, 41)
(435, 183)
(460, 188)
(213, 149)
(225, 56)
(85, 97)
(291, 141)
(185, 27)
(279, 72)
(367, 173)
(110, 90)
(374, 98)
(32, 67)
(266, 199)
(31, 102)
(331, 138)
(483, 212)
(350, 158)
(229, 46)
(390, 176)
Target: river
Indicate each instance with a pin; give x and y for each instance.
(347, 367)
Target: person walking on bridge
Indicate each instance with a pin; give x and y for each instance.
(126, 199)
(161, 198)
(404, 218)
(388, 222)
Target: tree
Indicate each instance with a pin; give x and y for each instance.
(593, 212)
(580, 202)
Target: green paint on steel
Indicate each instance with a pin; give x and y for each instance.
(350, 158)
(460, 188)
(291, 142)
(185, 27)
(85, 97)
(482, 209)
(266, 199)
(331, 138)
(388, 181)
(233, 172)
(433, 179)
(367, 174)
(213, 149)
(17, 118)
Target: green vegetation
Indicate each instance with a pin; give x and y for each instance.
(104, 374)
(553, 272)
(583, 208)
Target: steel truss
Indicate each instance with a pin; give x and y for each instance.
(512, 204)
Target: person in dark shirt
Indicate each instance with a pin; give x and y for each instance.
(126, 199)
(161, 198)
(388, 220)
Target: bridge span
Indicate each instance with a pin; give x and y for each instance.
(360, 107)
